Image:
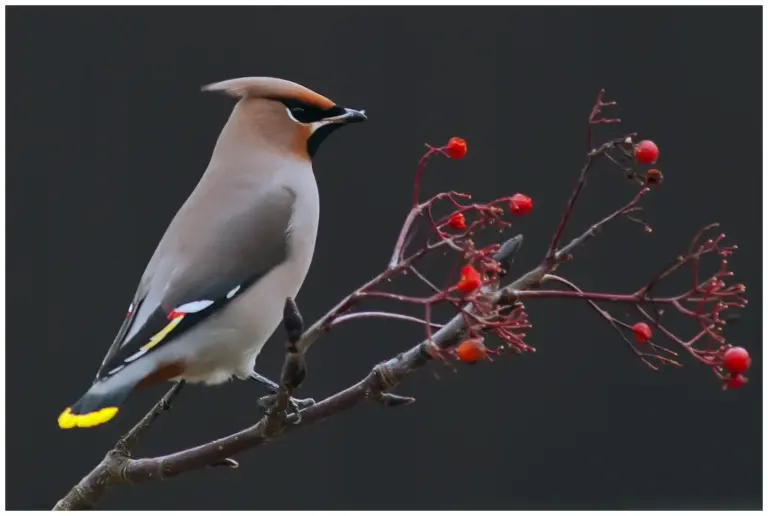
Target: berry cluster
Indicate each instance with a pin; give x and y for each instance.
(486, 308)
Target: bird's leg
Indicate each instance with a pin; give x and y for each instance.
(294, 366)
(266, 402)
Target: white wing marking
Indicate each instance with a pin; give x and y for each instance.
(193, 307)
(136, 355)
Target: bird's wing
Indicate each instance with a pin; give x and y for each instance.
(196, 273)
(133, 308)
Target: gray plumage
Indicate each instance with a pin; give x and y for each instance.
(238, 247)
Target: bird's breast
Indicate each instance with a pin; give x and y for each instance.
(302, 229)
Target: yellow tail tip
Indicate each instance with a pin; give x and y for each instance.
(69, 420)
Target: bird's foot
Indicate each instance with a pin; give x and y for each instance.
(267, 403)
(295, 405)
(294, 368)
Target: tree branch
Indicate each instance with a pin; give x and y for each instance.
(89, 491)
(119, 468)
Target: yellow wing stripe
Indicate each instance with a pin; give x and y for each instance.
(69, 420)
(159, 336)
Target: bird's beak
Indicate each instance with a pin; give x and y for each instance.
(349, 116)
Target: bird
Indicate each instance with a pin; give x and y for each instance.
(241, 244)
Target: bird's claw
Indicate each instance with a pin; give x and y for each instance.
(295, 405)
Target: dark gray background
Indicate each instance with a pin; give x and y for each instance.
(107, 133)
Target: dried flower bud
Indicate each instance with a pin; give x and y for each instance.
(654, 177)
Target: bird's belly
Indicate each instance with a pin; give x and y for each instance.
(227, 344)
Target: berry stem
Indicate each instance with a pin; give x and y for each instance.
(591, 157)
(419, 171)
(380, 315)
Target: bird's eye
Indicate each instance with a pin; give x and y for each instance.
(297, 114)
(305, 113)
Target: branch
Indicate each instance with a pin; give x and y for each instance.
(591, 156)
(618, 325)
(704, 303)
(380, 315)
(89, 491)
(118, 468)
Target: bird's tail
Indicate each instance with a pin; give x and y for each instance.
(97, 406)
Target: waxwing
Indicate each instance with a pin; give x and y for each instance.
(215, 287)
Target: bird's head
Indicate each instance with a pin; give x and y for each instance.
(289, 110)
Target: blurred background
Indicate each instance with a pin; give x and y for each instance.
(108, 133)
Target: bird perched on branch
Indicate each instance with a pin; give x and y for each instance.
(214, 290)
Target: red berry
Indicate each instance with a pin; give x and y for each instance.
(646, 152)
(520, 204)
(457, 221)
(471, 351)
(642, 332)
(734, 382)
(456, 148)
(736, 360)
(470, 280)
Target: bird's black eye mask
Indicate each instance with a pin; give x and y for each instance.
(307, 114)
